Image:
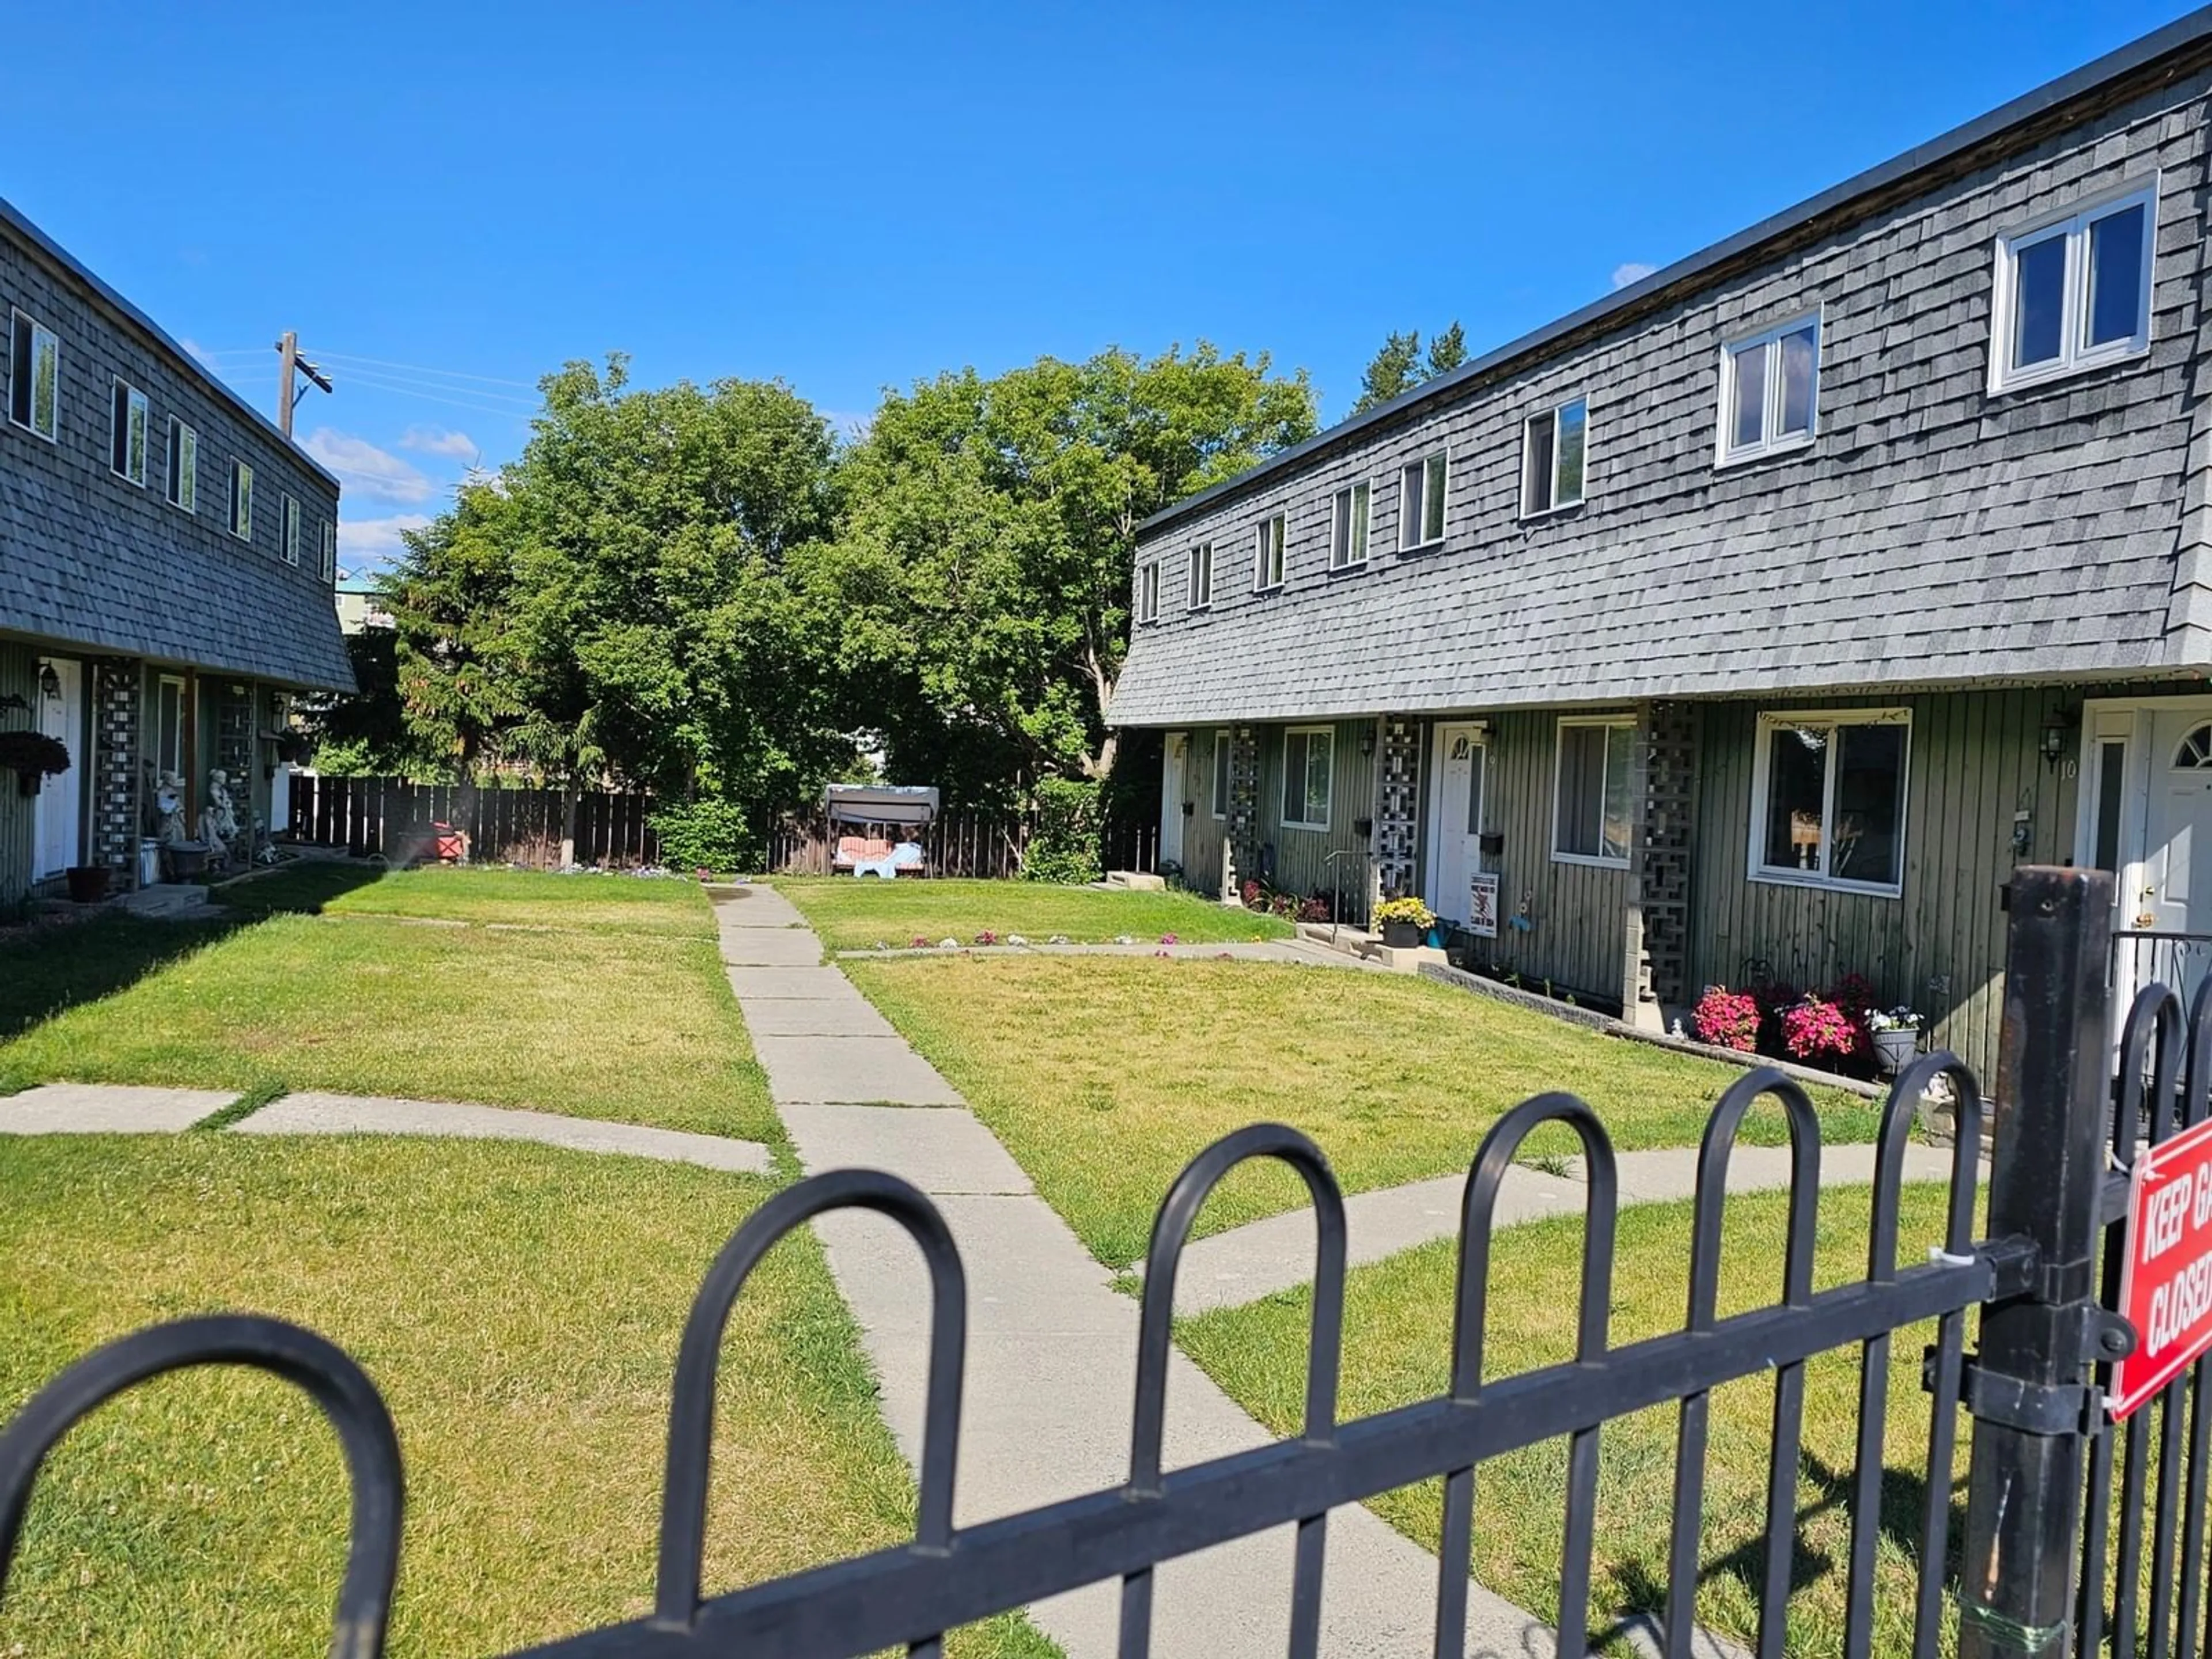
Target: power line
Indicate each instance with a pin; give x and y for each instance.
(402, 390)
(419, 368)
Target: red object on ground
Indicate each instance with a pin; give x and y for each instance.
(447, 844)
(2165, 1288)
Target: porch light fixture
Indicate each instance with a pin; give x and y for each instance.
(49, 682)
(2055, 728)
(1366, 740)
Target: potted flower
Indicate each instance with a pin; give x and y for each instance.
(87, 883)
(1896, 1036)
(34, 757)
(1402, 922)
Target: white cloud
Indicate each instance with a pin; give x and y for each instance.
(1634, 271)
(368, 544)
(367, 471)
(848, 425)
(206, 357)
(439, 440)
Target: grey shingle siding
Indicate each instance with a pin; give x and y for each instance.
(91, 560)
(1933, 534)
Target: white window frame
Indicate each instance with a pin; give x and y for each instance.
(1305, 800)
(241, 495)
(1726, 451)
(1559, 503)
(291, 523)
(1148, 592)
(1411, 538)
(2074, 357)
(134, 409)
(1614, 721)
(1771, 720)
(1221, 782)
(161, 684)
(1201, 594)
(1354, 503)
(330, 566)
(182, 484)
(52, 343)
(1270, 539)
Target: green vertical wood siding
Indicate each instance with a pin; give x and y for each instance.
(1974, 761)
(1203, 834)
(1574, 938)
(1302, 862)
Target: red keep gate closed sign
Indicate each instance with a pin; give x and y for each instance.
(2166, 1288)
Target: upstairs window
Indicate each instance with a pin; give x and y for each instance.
(183, 465)
(2074, 294)
(1348, 543)
(1267, 555)
(291, 530)
(126, 444)
(241, 501)
(1828, 798)
(1202, 576)
(1592, 808)
(330, 551)
(1421, 502)
(35, 377)
(1148, 591)
(1553, 445)
(1309, 767)
(1770, 390)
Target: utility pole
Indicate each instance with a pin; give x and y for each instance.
(292, 366)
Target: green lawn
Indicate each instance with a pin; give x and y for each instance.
(857, 915)
(517, 899)
(574, 1010)
(1104, 1076)
(1398, 1321)
(519, 1307)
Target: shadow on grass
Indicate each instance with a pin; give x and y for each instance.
(300, 888)
(1904, 1509)
(46, 971)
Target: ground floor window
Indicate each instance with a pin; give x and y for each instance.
(1308, 764)
(1591, 808)
(1828, 798)
(169, 726)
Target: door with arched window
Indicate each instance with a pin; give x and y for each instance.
(2177, 893)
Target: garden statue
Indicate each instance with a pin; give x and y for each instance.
(218, 819)
(169, 810)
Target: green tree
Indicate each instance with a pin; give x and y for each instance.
(1397, 365)
(615, 604)
(980, 584)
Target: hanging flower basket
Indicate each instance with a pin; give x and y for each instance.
(32, 756)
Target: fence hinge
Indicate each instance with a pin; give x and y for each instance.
(2015, 1263)
(2048, 1409)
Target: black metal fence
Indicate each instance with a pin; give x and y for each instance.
(2050, 1556)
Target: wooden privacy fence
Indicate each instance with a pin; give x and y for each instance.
(990, 845)
(393, 816)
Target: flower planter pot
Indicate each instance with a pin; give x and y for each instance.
(187, 863)
(29, 779)
(1894, 1049)
(1401, 935)
(87, 883)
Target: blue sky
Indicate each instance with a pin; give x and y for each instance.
(447, 201)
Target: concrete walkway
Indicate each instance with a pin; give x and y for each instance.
(119, 1109)
(1051, 1362)
(1274, 1253)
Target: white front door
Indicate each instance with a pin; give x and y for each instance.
(1455, 819)
(1171, 797)
(58, 816)
(2173, 896)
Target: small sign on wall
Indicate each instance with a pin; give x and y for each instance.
(2165, 1288)
(1482, 906)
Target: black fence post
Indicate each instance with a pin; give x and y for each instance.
(2028, 1388)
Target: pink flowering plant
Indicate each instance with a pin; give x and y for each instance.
(1817, 1030)
(1727, 1019)
(986, 937)
(1167, 938)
